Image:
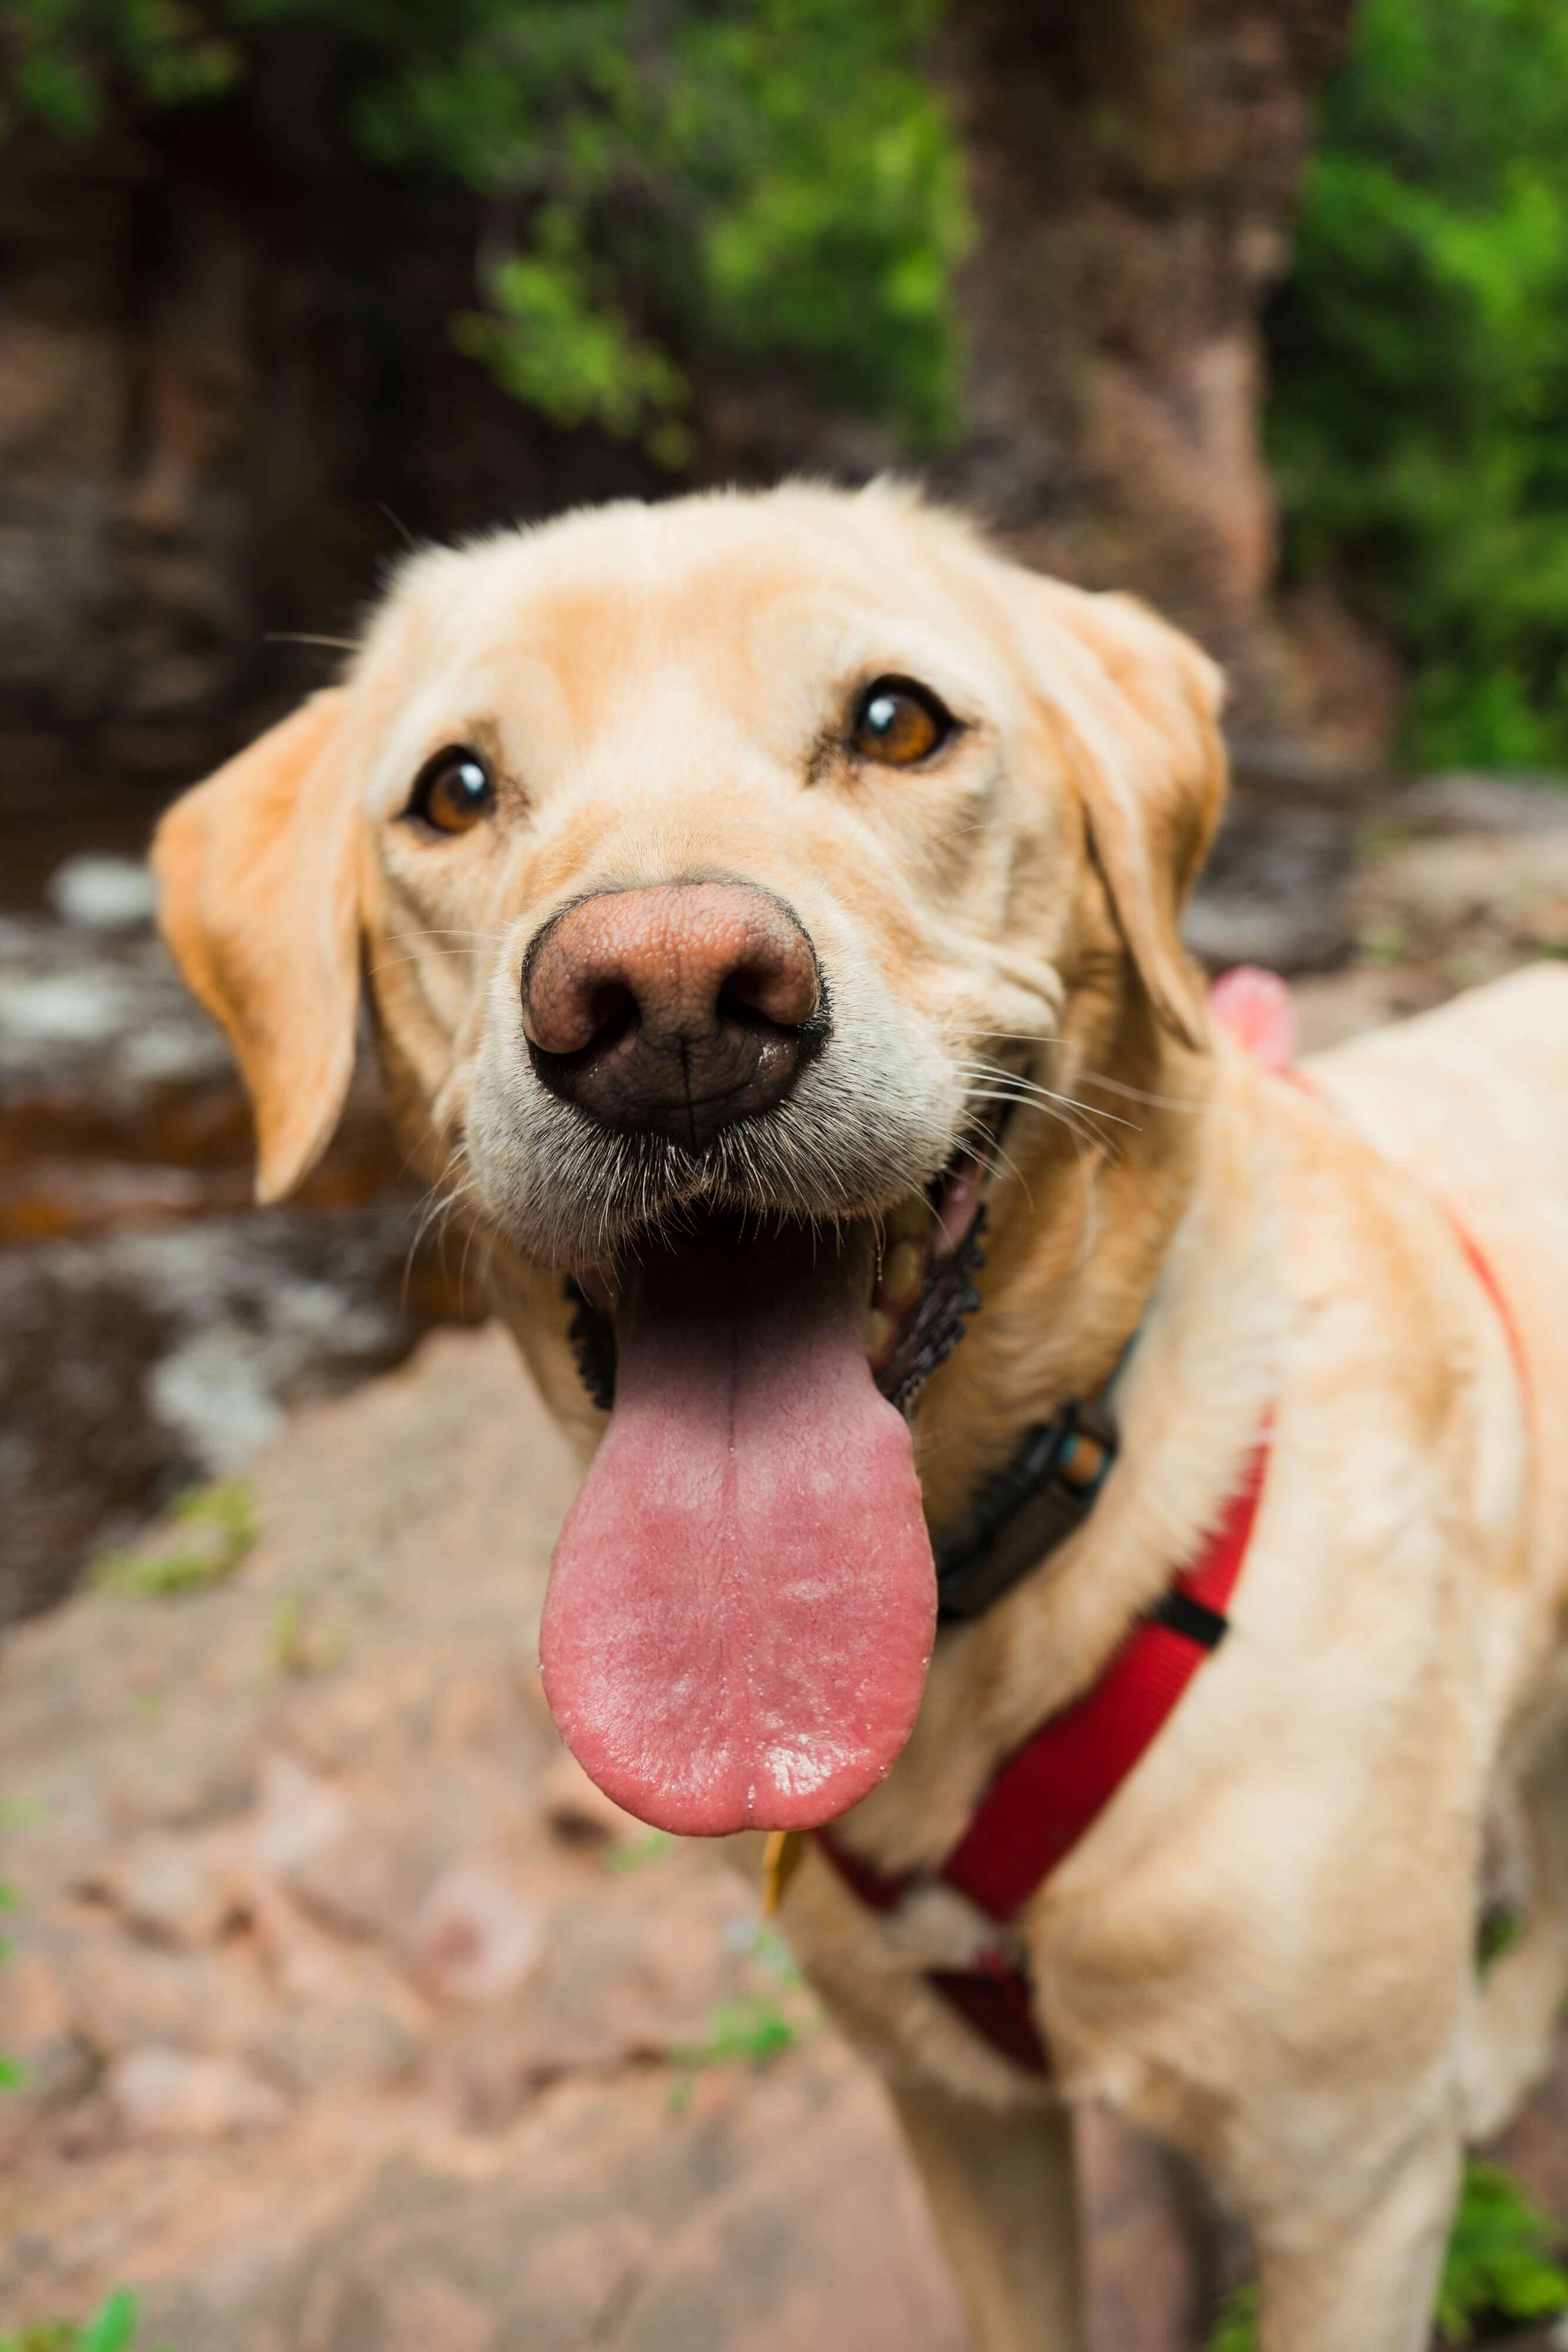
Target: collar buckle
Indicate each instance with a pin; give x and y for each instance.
(1042, 1496)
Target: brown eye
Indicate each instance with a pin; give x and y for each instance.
(454, 792)
(898, 722)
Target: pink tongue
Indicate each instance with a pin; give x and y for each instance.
(742, 1602)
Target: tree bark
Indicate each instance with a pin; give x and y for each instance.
(1134, 166)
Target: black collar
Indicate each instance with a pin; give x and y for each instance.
(1040, 1498)
(1028, 1507)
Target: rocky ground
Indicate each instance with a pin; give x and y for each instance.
(354, 2021)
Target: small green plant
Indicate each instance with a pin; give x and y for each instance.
(771, 1952)
(296, 1646)
(1497, 2266)
(217, 1528)
(1499, 2257)
(1500, 1930)
(751, 2032)
(1237, 2327)
(112, 2328)
(12, 2076)
(743, 2032)
(637, 1853)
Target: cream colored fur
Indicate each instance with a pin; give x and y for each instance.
(1263, 1950)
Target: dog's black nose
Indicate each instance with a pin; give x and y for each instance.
(674, 1010)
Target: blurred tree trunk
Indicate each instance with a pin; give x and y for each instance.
(1133, 165)
(227, 343)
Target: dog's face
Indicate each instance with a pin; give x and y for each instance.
(722, 870)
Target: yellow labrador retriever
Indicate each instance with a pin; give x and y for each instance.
(768, 908)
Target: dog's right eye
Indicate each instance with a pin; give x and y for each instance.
(452, 792)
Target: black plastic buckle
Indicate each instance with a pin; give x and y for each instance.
(1019, 1516)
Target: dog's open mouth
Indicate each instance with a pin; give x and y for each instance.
(742, 1602)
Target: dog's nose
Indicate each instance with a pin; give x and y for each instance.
(674, 1010)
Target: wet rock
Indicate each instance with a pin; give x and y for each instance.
(1481, 803)
(98, 1032)
(1273, 891)
(139, 1363)
(153, 1330)
(97, 893)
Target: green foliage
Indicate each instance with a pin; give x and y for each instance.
(636, 1854)
(217, 1527)
(1497, 2266)
(13, 2077)
(744, 2032)
(1497, 2258)
(757, 180)
(1237, 2327)
(111, 2328)
(1499, 1930)
(1419, 422)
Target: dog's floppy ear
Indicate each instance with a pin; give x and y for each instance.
(258, 893)
(1138, 704)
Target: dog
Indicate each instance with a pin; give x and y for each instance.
(990, 1380)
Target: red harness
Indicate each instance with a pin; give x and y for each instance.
(1047, 1796)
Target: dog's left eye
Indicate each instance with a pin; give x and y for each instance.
(898, 722)
(452, 792)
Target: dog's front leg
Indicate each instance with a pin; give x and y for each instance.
(1003, 2190)
(1337, 2270)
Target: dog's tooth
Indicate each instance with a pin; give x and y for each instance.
(910, 1221)
(902, 1275)
(879, 1331)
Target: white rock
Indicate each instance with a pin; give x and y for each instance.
(103, 893)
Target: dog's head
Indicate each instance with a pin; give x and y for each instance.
(723, 872)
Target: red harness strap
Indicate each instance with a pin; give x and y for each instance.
(1050, 1793)
(1479, 1263)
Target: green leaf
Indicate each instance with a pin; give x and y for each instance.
(747, 2033)
(112, 2327)
(219, 1527)
(1237, 2328)
(1498, 2260)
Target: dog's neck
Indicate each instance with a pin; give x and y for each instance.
(1080, 1223)
(1184, 1245)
